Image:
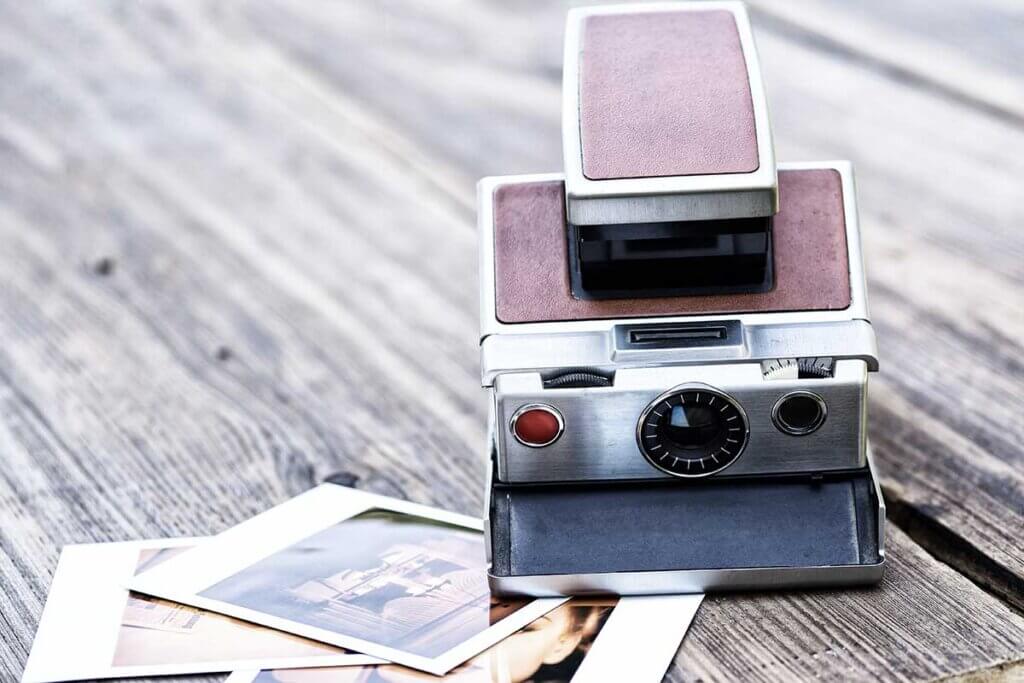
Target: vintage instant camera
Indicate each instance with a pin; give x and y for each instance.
(675, 333)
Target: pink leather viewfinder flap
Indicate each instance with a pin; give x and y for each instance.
(664, 93)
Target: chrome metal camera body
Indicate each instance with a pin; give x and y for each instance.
(677, 366)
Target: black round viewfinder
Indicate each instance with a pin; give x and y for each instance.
(799, 413)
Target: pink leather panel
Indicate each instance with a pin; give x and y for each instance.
(532, 272)
(664, 94)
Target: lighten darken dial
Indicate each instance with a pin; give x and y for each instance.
(692, 432)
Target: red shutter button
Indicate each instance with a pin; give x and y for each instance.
(537, 425)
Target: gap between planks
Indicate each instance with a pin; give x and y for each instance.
(953, 550)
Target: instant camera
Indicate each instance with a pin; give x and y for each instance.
(675, 334)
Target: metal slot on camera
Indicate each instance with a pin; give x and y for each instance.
(678, 335)
(673, 334)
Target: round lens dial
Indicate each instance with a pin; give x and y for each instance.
(692, 432)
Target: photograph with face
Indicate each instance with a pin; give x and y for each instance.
(391, 579)
(551, 649)
(93, 627)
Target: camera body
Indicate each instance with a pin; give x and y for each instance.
(674, 333)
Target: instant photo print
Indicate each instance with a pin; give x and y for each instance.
(93, 628)
(675, 333)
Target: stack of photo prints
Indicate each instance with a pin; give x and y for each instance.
(335, 585)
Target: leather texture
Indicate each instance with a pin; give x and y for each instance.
(532, 270)
(664, 94)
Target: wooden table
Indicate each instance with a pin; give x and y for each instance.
(238, 256)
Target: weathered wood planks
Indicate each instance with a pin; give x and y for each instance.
(238, 255)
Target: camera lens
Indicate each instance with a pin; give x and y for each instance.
(692, 426)
(692, 432)
(799, 413)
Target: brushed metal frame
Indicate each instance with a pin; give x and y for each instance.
(502, 353)
(694, 197)
(691, 580)
(599, 442)
(491, 325)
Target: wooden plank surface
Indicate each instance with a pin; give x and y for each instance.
(238, 256)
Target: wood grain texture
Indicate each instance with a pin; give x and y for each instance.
(238, 255)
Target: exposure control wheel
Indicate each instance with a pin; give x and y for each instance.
(692, 431)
